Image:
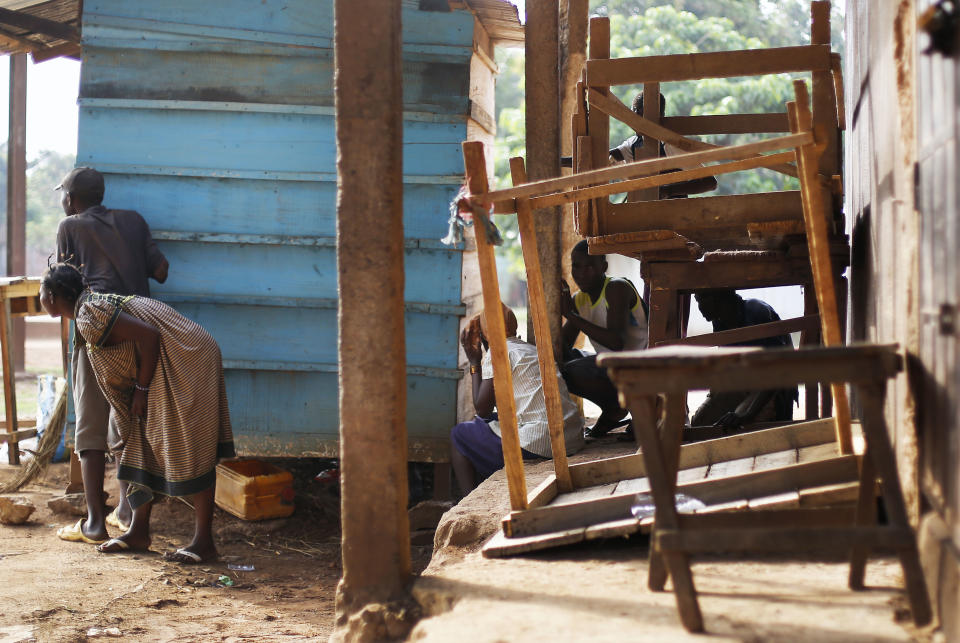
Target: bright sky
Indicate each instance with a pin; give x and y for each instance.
(52, 88)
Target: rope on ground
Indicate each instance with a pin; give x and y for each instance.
(46, 446)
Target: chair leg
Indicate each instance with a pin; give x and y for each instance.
(684, 591)
(879, 448)
(866, 516)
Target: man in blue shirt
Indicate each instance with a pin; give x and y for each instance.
(727, 310)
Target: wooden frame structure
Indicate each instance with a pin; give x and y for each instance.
(670, 235)
(801, 143)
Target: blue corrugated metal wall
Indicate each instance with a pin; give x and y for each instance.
(215, 121)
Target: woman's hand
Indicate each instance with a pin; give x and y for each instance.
(138, 406)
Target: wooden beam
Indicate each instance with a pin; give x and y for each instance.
(698, 172)
(728, 123)
(542, 97)
(748, 333)
(16, 436)
(540, 315)
(66, 50)
(704, 212)
(17, 44)
(720, 64)
(39, 25)
(598, 123)
(370, 269)
(836, 67)
(476, 168)
(815, 214)
(694, 275)
(17, 194)
(773, 539)
(646, 168)
(698, 454)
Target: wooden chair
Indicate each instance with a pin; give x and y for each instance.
(641, 375)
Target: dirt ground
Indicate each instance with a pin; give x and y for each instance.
(61, 591)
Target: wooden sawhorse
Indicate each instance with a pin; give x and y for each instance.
(673, 370)
(19, 297)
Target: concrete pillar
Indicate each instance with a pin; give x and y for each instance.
(17, 189)
(542, 60)
(370, 603)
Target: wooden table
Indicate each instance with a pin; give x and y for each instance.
(19, 297)
(641, 375)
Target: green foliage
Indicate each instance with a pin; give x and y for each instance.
(659, 27)
(43, 203)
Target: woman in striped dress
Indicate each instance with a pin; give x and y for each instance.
(163, 377)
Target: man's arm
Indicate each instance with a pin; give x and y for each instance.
(160, 272)
(157, 264)
(620, 298)
(684, 188)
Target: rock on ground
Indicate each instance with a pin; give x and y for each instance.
(15, 511)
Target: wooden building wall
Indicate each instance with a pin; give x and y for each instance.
(901, 196)
(215, 121)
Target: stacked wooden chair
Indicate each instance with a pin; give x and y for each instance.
(733, 241)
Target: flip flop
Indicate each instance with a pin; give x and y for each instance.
(114, 542)
(113, 519)
(75, 534)
(183, 556)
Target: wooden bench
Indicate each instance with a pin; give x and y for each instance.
(671, 371)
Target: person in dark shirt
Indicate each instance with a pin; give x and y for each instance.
(116, 254)
(727, 310)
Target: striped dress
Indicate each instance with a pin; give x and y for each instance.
(175, 450)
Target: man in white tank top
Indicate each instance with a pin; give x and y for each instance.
(612, 314)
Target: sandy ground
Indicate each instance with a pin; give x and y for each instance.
(54, 590)
(597, 591)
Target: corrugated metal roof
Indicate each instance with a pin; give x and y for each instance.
(46, 29)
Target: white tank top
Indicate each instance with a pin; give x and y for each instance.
(635, 337)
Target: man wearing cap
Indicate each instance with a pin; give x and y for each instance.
(116, 254)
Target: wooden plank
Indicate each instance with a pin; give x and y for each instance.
(643, 241)
(720, 64)
(634, 485)
(598, 123)
(704, 212)
(727, 468)
(16, 436)
(613, 529)
(500, 546)
(628, 171)
(836, 67)
(815, 214)
(39, 25)
(543, 493)
(728, 123)
(784, 500)
(703, 454)
(611, 105)
(66, 50)
(629, 185)
(831, 517)
(747, 333)
(691, 475)
(693, 275)
(476, 169)
(816, 452)
(789, 539)
(669, 368)
(588, 224)
(9, 388)
(831, 494)
(583, 495)
(711, 491)
(549, 375)
(779, 458)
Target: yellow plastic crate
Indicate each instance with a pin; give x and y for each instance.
(254, 490)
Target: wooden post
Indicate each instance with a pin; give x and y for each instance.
(372, 356)
(598, 123)
(17, 193)
(476, 168)
(9, 381)
(542, 100)
(815, 215)
(539, 314)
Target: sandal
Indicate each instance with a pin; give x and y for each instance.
(113, 519)
(74, 534)
(594, 432)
